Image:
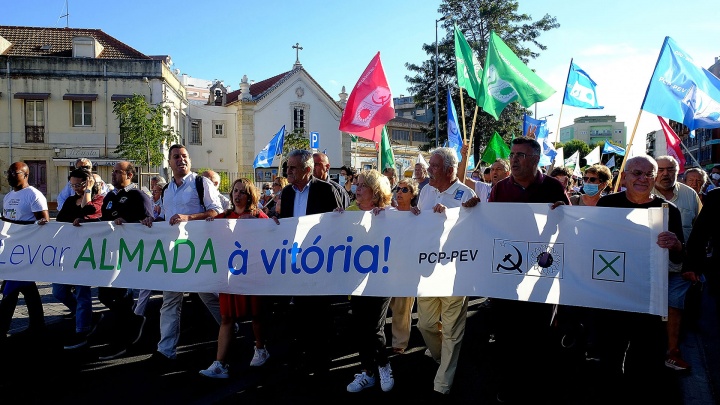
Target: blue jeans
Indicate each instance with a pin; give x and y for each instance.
(79, 302)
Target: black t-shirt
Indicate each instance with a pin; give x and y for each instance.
(619, 200)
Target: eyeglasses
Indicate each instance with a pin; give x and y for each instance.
(519, 155)
(404, 189)
(79, 185)
(119, 171)
(15, 174)
(85, 167)
(590, 179)
(640, 173)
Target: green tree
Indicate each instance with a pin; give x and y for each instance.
(142, 132)
(476, 19)
(297, 139)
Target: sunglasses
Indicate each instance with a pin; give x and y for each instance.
(590, 179)
(404, 189)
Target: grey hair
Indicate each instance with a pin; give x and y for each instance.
(646, 158)
(306, 157)
(669, 159)
(448, 156)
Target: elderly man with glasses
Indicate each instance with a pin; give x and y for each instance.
(632, 337)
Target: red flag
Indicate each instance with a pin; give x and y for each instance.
(673, 144)
(370, 105)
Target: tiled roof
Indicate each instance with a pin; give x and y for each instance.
(28, 41)
(258, 89)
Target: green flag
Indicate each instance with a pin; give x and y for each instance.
(507, 79)
(386, 154)
(464, 57)
(496, 149)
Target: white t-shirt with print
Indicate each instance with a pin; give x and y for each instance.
(21, 205)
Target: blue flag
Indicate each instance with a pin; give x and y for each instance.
(454, 137)
(540, 126)
(540, 129)
(683, 91)
(580, 89)
(471, 162)
(272, 149)
(610, 148)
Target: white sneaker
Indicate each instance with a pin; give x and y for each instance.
(361, 382)
(386, 377)
(260, 357)
(216, 370)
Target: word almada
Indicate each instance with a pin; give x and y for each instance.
(183, 255)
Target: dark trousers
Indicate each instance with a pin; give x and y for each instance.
(120, 302)
(313, 330)
(368, 316)
(11, 292)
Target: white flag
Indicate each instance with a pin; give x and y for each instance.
(559, 158)
(574, 161)
(593, 157)
(421, 160)
(611, 162)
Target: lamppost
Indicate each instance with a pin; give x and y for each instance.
(437, 112)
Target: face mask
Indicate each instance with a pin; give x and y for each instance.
(353, 189)
(341, 180)
(591, 189)
(268, 192)
(476, 178)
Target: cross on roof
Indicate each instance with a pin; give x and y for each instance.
(297, 49)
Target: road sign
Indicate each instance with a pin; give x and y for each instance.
(314, 140)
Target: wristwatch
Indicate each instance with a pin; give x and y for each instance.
(88, 191)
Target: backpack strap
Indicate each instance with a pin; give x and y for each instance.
(200, 190)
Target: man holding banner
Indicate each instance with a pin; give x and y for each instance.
(181, 203)
(519, 321)
(444, 191)
(627, 337)
(307, 195)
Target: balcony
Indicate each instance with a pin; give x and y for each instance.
(34, 133)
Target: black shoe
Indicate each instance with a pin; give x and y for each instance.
(137, 323)
(161, 363)
(76, 341)
(112, 351)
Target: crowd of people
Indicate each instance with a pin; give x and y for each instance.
(606, 335)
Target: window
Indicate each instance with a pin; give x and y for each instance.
(195, 132)
(298, 117)
(219, 129)
(400, 135)
(34, 121)
(82, 113)
(420, 137)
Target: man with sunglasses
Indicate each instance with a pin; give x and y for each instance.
(67, 191)
(24, 204)
(632, 337)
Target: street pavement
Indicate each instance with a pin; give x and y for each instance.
(36, 369)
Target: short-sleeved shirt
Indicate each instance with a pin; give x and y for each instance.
(544, 189)
(453, 197)
(23, 204)
(184, 200)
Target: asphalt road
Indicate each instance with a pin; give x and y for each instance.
(38, 370)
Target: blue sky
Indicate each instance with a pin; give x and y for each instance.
(616, 41)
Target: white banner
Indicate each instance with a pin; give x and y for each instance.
(586, 256)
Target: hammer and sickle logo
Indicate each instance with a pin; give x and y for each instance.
(508, 258)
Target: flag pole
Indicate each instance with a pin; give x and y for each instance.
(627, 151)
(557, 133)
(462, 110)
(690, 153)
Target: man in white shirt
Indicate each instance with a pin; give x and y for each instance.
(444, 191)
(24, 204)
(215, 179)
(181, 203)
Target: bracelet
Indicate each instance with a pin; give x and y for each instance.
(88, 191)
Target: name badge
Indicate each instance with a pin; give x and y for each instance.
(459, 194)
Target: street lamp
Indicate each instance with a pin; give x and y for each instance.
(437, 112)
(545, 117)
